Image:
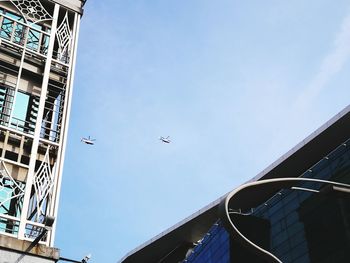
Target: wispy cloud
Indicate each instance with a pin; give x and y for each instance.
(332, 63)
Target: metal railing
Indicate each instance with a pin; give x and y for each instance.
(21, 34)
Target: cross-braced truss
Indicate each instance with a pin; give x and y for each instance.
(31, 10)
(43, 184)
(10, 190)
(64, 37)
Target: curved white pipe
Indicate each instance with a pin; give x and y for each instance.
(287, 182)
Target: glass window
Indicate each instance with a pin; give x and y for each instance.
(20, 111)
(21, 107)
(6, 99)
(215, 247)
(13, 16)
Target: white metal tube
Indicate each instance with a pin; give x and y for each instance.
(65, 124)
(36, 139)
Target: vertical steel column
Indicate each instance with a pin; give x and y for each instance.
(32, 162)
(65, 124)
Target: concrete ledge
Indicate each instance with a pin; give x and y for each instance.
(18, 248)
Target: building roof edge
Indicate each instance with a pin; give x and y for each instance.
(315, 146)
(74, 5)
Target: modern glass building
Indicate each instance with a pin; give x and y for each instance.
(296, 211)
(38, 43)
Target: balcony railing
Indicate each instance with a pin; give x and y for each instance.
(20, 34)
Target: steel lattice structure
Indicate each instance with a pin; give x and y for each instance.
(38, 42)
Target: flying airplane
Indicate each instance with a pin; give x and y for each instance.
(88, 140)
(165, 140)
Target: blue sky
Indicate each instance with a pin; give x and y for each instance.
(235, 84)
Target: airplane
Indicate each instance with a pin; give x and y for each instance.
(86, 258)
(165, 140)
(88, 140)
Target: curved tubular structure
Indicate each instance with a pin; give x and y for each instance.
(252, 194)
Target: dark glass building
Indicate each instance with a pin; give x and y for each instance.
(295, 211)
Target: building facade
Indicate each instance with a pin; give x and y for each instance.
(295, 211)
(38, 44)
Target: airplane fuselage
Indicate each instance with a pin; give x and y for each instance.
(87, 142)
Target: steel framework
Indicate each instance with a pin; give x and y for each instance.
(38, 42)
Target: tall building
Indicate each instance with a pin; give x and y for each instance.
(297, 210)
(38, 44)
